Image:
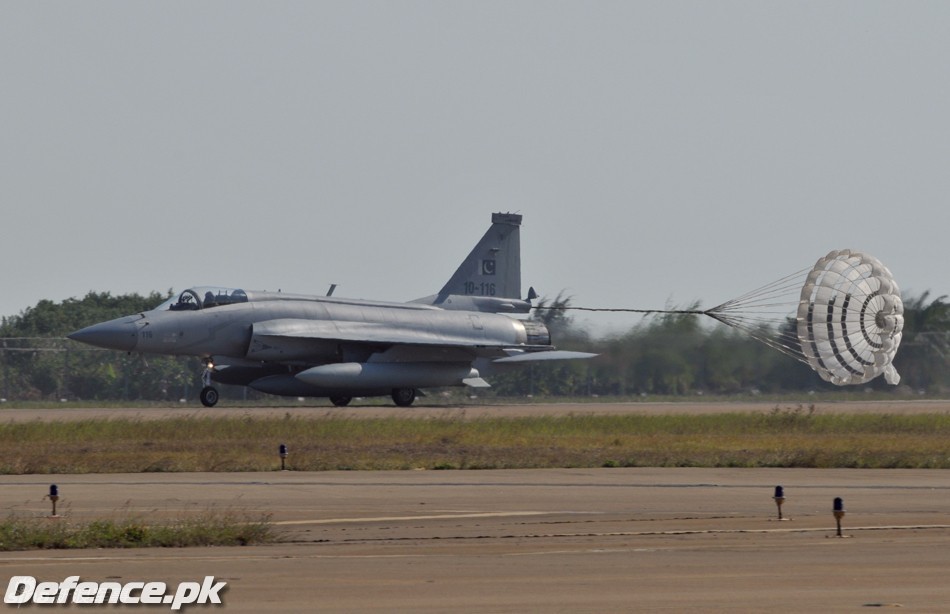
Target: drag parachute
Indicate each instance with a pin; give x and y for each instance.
(845, 322)
(848, 321)
(850, 318)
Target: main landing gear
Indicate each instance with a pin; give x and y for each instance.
(403, 397)
(209, 396)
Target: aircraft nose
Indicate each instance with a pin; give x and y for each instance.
(118, 334)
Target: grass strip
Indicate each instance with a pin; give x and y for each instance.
(780, 438)
(207, 529)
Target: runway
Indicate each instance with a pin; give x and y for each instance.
(637, 539)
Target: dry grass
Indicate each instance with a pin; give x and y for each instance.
(781, 438)
(211, 528)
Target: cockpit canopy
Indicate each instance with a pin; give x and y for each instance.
(203, 297)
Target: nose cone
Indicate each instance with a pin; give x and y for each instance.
(118, 334)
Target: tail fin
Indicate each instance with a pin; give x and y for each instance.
(489, 279)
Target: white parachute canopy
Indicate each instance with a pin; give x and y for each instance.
(849, 318)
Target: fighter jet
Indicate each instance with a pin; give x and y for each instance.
(324, 346)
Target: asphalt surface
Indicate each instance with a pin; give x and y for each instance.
(638, 539)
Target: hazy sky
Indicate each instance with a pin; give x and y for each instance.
(660, 152)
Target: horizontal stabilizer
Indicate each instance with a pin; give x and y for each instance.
(551, 355)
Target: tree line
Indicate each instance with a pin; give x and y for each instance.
(665, 354)
(38, 363)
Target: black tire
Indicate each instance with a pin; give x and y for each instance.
(209, 396)
(403, 397)
(341, 401)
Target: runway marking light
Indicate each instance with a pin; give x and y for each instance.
(54, 497)
(838, 509)
(779, 499)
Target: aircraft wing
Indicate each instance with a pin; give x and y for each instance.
(357, 332)
(287, 338)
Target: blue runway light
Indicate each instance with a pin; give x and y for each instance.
(54, 497)
(779, 499)
(838, 509)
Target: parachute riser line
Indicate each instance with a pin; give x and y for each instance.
(644, 311)
(845, 322)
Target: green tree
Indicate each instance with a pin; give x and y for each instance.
(925, 346)
(39, 363)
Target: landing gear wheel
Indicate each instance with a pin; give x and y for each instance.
(209, 396)
(403, 397)
(341, 401)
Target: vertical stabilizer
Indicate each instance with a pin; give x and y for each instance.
(493, 268)
(489, 279)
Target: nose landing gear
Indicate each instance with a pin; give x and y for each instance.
(209, 394)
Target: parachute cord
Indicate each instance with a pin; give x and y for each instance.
(755, 313)
(776, 288)
(644, 311)
(780, 316)
(790, 347)
(785, 343)
(773, 295)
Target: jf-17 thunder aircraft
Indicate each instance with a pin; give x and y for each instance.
(324, 346)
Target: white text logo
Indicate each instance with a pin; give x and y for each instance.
(25, 589)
